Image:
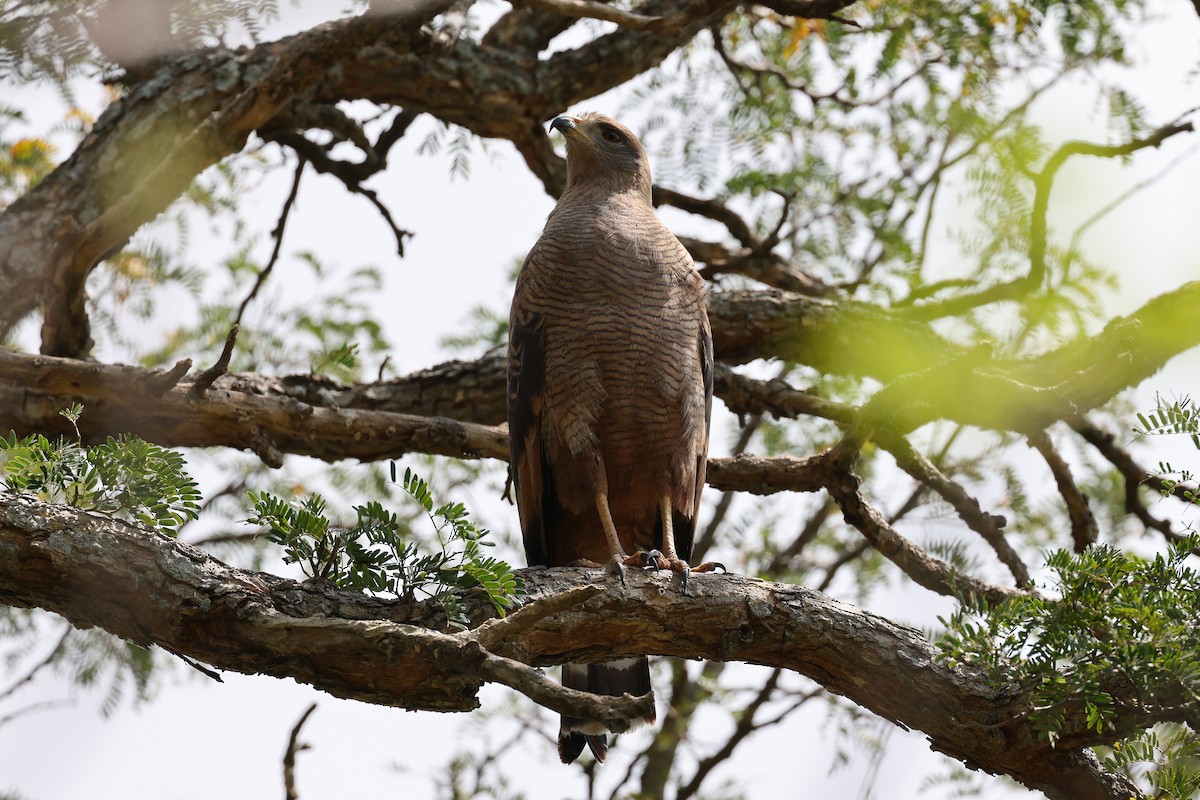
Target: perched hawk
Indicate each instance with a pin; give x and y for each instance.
(609, 388)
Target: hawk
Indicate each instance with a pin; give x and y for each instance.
(610, 378)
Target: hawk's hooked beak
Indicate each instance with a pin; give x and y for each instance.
(564, 125)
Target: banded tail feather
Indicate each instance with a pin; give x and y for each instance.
(615, 678)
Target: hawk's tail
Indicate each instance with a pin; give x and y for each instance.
(626, 676)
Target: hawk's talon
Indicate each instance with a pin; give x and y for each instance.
(617, 565)
(652, 558)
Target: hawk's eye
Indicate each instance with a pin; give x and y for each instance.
(609, 135)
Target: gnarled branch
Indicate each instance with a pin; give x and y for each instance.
(151, 589)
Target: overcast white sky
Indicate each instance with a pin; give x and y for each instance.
(200, 739)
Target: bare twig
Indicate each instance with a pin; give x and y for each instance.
(713, 209)
(1045, 182)
(743, 395)
(989, 526)
(160, 381)
(289, 757)
(1117, 201)
(32, 672)
(924, 569)
(744, 727)
(1135, 476)
(847, 556)
(205, 379)
(687, 694)
(838, 96)
(615, 712)
(1083, 523)
(496, 630)
(748, 723)
(808, 533)
(277, 235)
(194, 664)
(350, 174)
(226, 537)
(765, 267)
(44, 705)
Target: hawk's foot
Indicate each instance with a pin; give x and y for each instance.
(646, 559)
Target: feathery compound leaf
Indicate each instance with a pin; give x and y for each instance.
(377, 555)
(1104, 631)
(125, 477)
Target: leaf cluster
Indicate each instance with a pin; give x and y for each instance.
(124, 477)
(1098, 647)
(1166, 759)
(50, 40)
(1168, 418)
(378, 554)
(1175, 418)
(24, 160)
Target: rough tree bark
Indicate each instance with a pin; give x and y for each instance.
(153, 590)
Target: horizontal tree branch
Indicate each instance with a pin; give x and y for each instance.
(591, 9)
(123, 399)
(150, 589)
(116, 401)
(309, 416)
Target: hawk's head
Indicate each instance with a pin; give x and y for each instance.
(603, 153)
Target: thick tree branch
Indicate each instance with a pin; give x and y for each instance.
(151, 589)
(256, 623)
(116, 401)
(1028, 395)
(316, 418)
